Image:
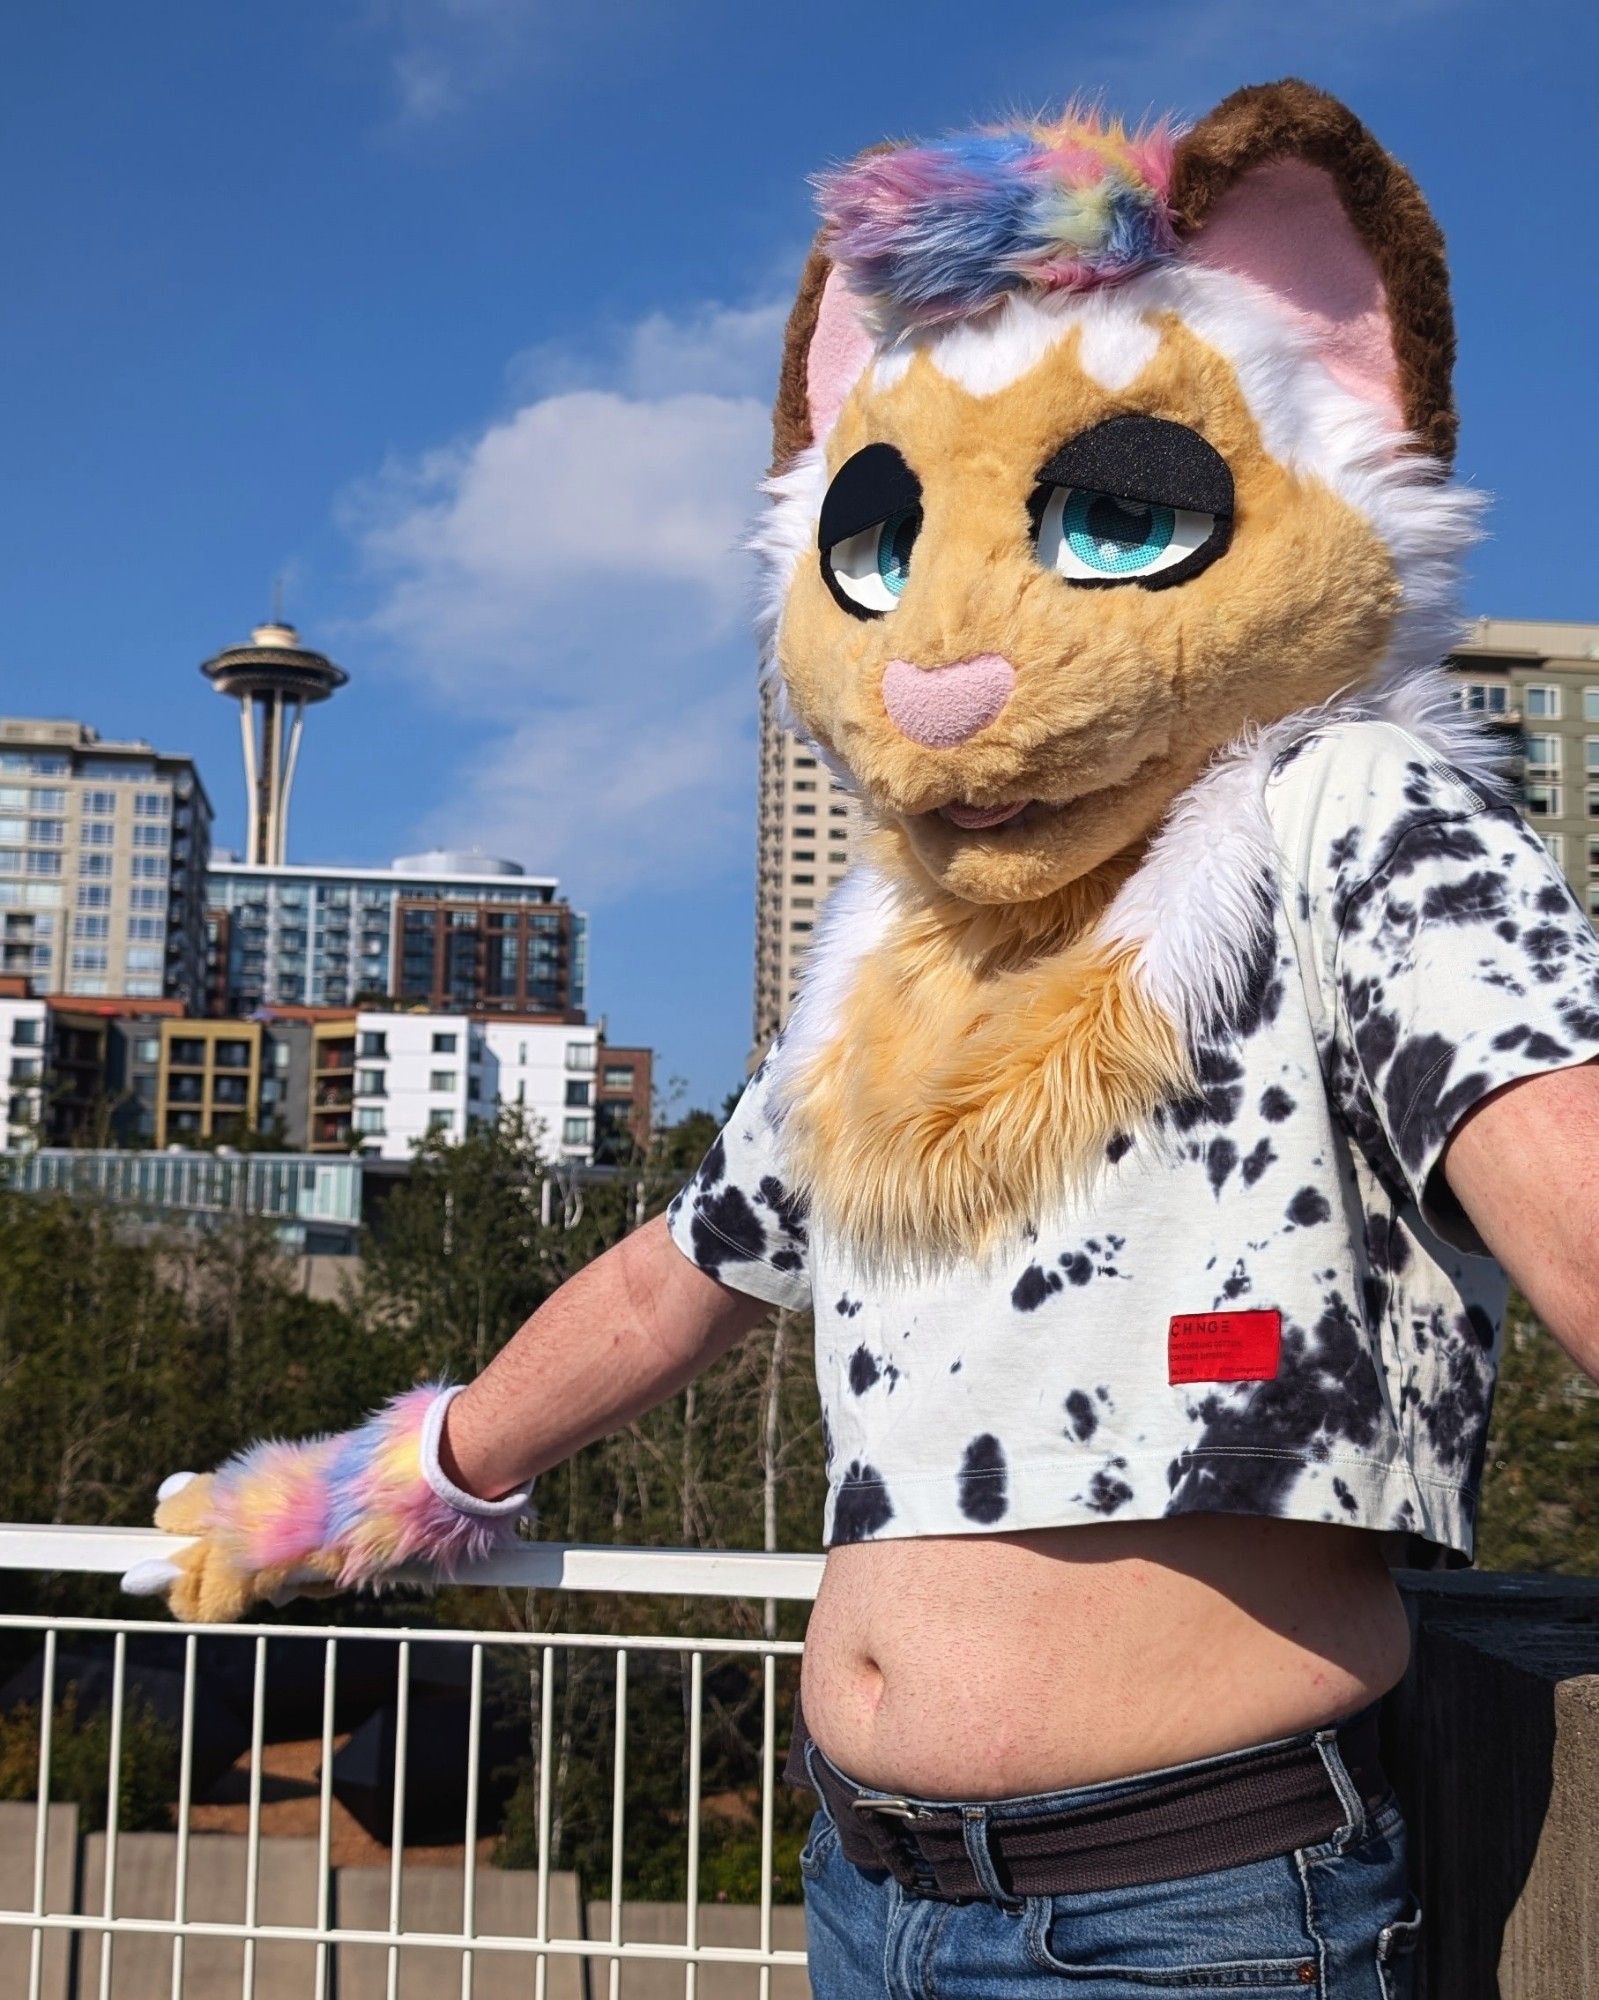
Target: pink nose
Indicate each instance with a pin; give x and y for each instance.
(943, 706)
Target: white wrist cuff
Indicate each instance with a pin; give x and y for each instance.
(443, 1485)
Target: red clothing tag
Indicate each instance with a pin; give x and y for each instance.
(1223, 1346)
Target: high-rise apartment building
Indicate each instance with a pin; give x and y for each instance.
(441, 930)
(1540, 682)
(103, 855)
(805, 832)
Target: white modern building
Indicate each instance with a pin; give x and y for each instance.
(438, 928)
(428, 1072)
(24, 1043)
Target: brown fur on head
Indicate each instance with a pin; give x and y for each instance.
(1121, 694)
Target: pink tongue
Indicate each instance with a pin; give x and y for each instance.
(973, 817)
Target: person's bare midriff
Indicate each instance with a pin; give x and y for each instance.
(991, 1666)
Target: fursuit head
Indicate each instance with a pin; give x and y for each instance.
(1108, 461)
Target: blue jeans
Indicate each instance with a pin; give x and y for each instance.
(1335, 1920)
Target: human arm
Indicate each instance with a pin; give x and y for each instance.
(623, 1334)
(343, 1511)
(1524, 1165)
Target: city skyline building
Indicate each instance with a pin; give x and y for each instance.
(104, 847)
(806, 836)
(441, 929)
(273, 678)
(1539, 681)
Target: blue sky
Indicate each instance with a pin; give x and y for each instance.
(461, 315)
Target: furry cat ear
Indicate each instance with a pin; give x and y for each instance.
(1282, 184)
(825, 349)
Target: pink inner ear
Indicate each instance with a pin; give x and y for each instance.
(1284, 226)
(839, 351)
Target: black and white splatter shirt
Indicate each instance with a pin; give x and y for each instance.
(1269, 1303)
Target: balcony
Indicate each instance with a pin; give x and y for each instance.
(202, 1910)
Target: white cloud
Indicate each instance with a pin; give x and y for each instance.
(570, 577)
(444, 54)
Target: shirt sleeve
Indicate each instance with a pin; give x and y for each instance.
(738, 1219)
(1460, 962)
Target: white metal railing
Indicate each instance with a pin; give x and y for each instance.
(556, 1962)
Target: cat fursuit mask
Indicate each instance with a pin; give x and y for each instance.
(1106, 463)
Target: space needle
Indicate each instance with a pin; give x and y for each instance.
(272, 678)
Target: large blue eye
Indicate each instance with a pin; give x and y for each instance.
(1092, 537)
(873, 567)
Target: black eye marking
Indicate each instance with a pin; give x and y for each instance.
(1145, 458)
(866, 489)
(1149, 462)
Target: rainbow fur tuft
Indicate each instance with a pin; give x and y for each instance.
(927, 234)
(358, 1504)
(331, 1512)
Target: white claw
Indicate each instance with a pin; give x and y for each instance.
(150, 1579)
(173, 1485)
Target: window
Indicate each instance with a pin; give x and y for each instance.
(1543, 801)
(152, 867)
(91, 927)
(803, 881)
(142, 989)
(441, 1121)
(49, 802)
(147, 1049)
(98, 802)
(1556, 844)
(370, 1083)
(838, 812)
(1542, 703)
(580, 1055)
(44, 864)
(369, 1119)
(574, 1131)
(89, 961)
(805, 784)
(802, 902)
(151, 805)
(618, 1076)
(577, 1093)
(803, 854)
(88, 987)
(13, 829)
(14, 798)
(147, 899)
(838, 857)
(798, 926)
(98, 833)
(1486, 698)
(444, 1045)
(802, 811)
(94, 865)
(47, 832)
(26, 1069)
(145, 928)
(443, 1079)
(141, 958)
(149, 836)
(27, 1034)
(374, 1044)
(94, 896)
(1543, 753)
(1590, 752)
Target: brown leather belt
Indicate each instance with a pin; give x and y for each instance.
(1248, 1805)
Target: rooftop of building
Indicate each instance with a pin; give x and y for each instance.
(82, 739)
(1538, 640)
(470, 868)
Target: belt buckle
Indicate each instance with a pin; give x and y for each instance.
(889, 1808)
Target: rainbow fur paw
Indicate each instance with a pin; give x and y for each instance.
(281, 1520)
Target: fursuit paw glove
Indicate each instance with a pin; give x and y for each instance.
(330, 1513)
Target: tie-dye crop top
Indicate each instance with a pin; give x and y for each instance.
(1268, 1302)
